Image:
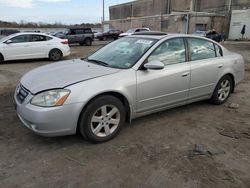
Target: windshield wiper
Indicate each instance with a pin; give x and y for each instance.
(97, 62)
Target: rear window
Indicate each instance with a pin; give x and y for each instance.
(218, 50)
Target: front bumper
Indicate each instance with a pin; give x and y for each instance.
(48, 121)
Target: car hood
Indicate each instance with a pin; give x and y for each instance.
(62, 74)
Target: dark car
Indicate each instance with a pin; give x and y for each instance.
(111, 34)
(7, 32)
(214, 35)
(83, 36)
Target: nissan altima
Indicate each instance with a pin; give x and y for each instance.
(30, 45)
(128, 78)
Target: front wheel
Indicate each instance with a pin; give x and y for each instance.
(55, 55)
(102, 119)
(1, 59)
(222, 90)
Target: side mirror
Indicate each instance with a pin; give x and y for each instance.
(8, 41)
(154, 65)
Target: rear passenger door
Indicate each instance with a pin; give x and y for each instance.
(71, 36)
(205, 64)
(40, 46)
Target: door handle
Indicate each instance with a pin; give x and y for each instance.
(185, 74)
(220, 66)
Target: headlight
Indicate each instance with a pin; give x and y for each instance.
(51, 98)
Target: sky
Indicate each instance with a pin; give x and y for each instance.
(51, 11)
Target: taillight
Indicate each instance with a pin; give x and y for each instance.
(65, 42)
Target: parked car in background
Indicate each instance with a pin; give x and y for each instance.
(134, 30)
(200, 33)
(83, 36)
(214, 35)
(6, 32)
(31, 46)
(112, 34)
(128, 78)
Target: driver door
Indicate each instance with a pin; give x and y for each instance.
(157, 89)
(19, 48)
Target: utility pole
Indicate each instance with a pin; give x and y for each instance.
(103, 14)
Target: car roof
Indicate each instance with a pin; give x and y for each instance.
(168, 35)
(27, 33)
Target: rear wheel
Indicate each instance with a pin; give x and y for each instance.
(88, 42)
(222, 90)
(55, 55)
(102, 119)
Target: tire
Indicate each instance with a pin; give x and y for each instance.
(55, 55)
(105, 38)
(222, 90)
(88, 42)
(1, 58)
(96, 124)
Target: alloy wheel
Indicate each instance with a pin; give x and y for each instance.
(224, 90)
(105, 120)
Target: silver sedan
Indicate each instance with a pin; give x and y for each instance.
(128, 78)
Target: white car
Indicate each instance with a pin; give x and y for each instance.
(31, 46)
(134, 30)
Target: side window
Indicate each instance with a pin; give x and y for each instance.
(72, 32)
(170, 52)
(200, 49)
(218, 50)
(20, 39)
(79, 31)
(38, 38)
(87, 31)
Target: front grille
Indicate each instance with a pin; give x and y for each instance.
(21, 93)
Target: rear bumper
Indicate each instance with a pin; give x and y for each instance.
(66, 51)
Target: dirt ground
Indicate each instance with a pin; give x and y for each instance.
(153, 151)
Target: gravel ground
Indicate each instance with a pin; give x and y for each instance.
(153, 151)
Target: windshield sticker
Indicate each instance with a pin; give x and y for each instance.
(141, 41)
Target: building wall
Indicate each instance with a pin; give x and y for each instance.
(138, 9)
(238, 20)
(170, 23)
(180, 5)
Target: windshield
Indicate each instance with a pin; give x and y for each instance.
(131, 31)
(122, 53)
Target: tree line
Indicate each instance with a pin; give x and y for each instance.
(23, 24)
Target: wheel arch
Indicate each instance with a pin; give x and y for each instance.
(116, 94)
(54, 49)
(1, 56)
(233, 79)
